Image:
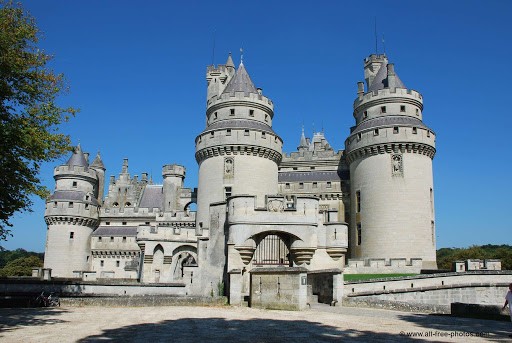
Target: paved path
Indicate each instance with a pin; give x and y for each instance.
(226, 324)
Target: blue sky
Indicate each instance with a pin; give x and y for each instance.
(137, 69)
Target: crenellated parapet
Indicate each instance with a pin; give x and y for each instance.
(247, 150)
(70, 220)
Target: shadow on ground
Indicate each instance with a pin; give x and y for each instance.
(14, 318)
(252, 330)
(460, 327)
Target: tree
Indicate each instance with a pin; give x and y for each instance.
(29, 115)
(21, 266)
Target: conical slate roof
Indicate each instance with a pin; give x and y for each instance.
(303, 141)
(241, 82)
(229, 62)
(77, 158)
(381, 80)
(98, 163)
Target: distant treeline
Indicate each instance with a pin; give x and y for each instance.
(19, 262)
(445, 256)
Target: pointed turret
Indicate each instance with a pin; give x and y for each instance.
(303, 141)
(241, 82)
(386, 78)
(229, 62)
(100, 169)
(77, 158)
(98, 163)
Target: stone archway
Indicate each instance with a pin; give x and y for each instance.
(272, 248)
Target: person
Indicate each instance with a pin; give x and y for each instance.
(508, 301)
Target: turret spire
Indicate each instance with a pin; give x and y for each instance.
(77, 158)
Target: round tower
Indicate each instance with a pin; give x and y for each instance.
(173, 175)
(390, 152)
(238, 152)
(71, 216)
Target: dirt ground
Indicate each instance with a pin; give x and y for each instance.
(230, 324)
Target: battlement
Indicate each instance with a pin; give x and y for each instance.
(175, 170)
(74, 171)
(394, 93)
(231, 99)
(375, 58)
(216, 70)
(384, 266)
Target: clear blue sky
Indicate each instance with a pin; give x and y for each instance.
(137, 72)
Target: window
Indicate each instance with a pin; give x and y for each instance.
(287, 185)
(124, 223)
(402, 108)
(71, 235)
(263, 135)
(228, 132)
(395, 129)
(118, 263)
(251, 113)
(428, 133)
(358, 201)
(147, 223)
(315, 184)
(301, 185)
(102, 263)
(294, 168)
(124, 239)
(54, 204)
(383, 109)
(359, 234)
(431, 202)
(86, 206)
(246, 132)
(75, 184)
(227, 192)
(376, 132)
(417, 112)
(312, 168)
(111, 239)
(70, 204)
(365, 114)
(116, 204)
(107, 223)
(215, 116)
(99, 239)
(232, 112)
(86, 197)
(359, 135)
(212, 134)
(329, 184)
(266, 117)
(414, 130)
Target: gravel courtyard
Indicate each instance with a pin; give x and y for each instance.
(227, 324)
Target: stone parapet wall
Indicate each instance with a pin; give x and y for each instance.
(384, 266)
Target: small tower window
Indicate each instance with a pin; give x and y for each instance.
(102, 263)
(312, 168)
(86, 206)
(359, 135)
(287, 185)
(227, 192)
(365, 114)
(70, 204)
(128, 204)
(54, 204)
(71, 235)
(111, 239)
(266, 117)
(376, 132)
(417, 112)
(228, 132)
(124, 239)
(232, 112)
(75, 184)
(263, 135)
(301, 185)
(116, 204)
(414, 130)
(402, 108)
(383, 109)
(107, 223)
(99, 239)
(315, 184)
(215, 116)
(118, 263)
(212, 134)
(124, 223)
(428, 133)
(246, 132)
(358, 201)
(359, 234)
(251, 113)
(329, 184)
(395, 129)
(147, 223)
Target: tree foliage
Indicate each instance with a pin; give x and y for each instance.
(29, 115)
(19, 262)
(445, 256)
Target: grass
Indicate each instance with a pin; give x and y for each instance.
(361, 277)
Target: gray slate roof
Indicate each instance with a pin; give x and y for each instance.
(241, 82)
(115, 231)
(387, 121)
(98, 163)
(381, 80)
(308, 176)
(153, 197)
(71, 195)
(77, 158)
(240, 124)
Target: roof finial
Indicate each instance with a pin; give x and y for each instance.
(241, 55)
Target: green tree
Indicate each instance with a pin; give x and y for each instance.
(21, 266)
(29, 115)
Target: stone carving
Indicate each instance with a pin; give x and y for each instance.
(275, 205)
(397, 168)
(228, 166)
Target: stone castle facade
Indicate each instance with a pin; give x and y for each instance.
(368, 206)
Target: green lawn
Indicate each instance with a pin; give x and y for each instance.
(360, 277)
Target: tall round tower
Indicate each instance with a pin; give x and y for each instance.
(71, 215)
(238, 152)
(390, 154)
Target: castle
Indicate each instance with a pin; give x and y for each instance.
(368, 206)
